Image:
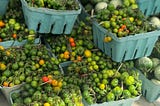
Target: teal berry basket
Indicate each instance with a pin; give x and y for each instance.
(45, 20)
(150, 90)
(13, 43)
(124, 102)
(149, 7)
(3, 6)
(7, 90)
(126, 48)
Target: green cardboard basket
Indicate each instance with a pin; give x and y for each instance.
(52, 21)
(124, 102)
(150, 91)
(149, 7)
(7, 90)
(125, 48)
(13, 43)
(3, 6)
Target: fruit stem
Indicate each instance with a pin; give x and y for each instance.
(118, 69)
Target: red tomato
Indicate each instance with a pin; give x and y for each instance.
(72, 44)
(45, 79)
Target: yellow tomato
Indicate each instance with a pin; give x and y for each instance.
(1, 48)
(56, 89)
(8, 53)
(60, 84)
(107, 39)
(102, 86)
(46, 104)
(37, 65)
(41, 62)
(2, 66)
(87, 53)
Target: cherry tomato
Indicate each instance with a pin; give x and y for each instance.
(72, 44)
(45, 79)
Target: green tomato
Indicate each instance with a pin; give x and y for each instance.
(110, 96)
(124, 75)
(17, 26)
(34, 84)
(129, 80)
(27, 100)
(85, 93)
(131, 88)
(114, 82)
(117, 91)
(12, 21)
(126, 94)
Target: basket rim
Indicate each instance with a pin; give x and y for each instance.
(127, 38)
(51, 11)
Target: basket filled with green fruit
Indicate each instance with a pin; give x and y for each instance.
(47, 91)
(122, 31)
(13, 31)
(3, 5)
(46, 16)
(23, 64)
(71, 47)
(103, 81)
(149, 69)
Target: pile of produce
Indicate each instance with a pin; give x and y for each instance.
(74, 46)
(12, 26)
(103, 80)
(17, 64)
(119, 17)
(54, 4)
(96, 5)
(48, 94)
(12, 30)
(91, 74)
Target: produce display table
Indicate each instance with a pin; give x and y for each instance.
(78, 52)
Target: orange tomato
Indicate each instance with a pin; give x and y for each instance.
(123, 27)
(66, 56)
(54, 82)
(14, 36)
(71, 40)
(1, 39)
(120, 30)
(6, 84)
(2, 24)
(79, 58)
(66, 53)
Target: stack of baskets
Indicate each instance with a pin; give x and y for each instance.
(41, 20)
(45, 21)
(130, 48)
